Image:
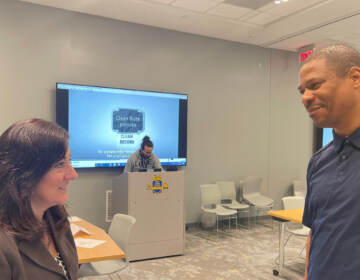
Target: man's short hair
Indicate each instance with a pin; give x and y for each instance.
(340, 57)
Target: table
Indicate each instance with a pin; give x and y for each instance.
(106, 251)
(284, 216)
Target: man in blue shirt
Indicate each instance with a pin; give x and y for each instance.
(330, 88)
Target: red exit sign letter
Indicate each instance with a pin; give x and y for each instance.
(304, 55)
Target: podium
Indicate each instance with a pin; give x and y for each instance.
(156, 201)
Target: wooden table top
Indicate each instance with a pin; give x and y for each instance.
(106, 251)
(292, 215)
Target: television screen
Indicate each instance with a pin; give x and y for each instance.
(107, 125)
(323, 137)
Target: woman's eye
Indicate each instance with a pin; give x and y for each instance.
(59, 164)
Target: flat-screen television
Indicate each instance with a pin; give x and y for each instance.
(107, 125)
(323, 137)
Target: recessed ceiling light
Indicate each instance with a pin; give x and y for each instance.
(279, 1)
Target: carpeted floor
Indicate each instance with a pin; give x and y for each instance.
(236, 254)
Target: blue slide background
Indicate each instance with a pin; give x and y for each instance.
(327, 136)
(90, 125)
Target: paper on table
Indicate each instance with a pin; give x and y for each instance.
(88, 243)
(74, 219)
(75, 229)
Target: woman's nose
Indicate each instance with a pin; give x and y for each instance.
(72, 174)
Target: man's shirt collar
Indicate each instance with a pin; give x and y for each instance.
(353, 139)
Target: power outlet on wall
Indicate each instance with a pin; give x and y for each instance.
(108, 206)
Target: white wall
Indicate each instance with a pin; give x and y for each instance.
(244, 113)
(290, 129)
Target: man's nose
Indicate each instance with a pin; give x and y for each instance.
(307, 98)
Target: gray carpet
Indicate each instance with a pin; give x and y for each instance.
(235, 254)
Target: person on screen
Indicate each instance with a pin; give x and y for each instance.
(35, 171)
(330, 88)
(143, 159)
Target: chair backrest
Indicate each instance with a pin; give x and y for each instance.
(252, 185)
(299, 188)
(293, 202)
(210, 194)
(227, 189)
(120, 229)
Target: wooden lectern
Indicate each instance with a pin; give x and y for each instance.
(156, 200)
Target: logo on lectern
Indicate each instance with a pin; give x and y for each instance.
(157, 185)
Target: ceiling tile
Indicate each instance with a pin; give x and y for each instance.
(198, 5)
(250, 4)
(267, 7)
(299, 22)
(160, 1)
(262, 19)
(293, 6)
(214, 26)
(248, 15)
(229, 11)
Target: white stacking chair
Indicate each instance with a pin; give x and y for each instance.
(299, 188)
(119, 231)
(228, 198)
(211, 203)
(295, 202)
(252, 195)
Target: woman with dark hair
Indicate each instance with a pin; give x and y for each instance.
(143, 159)
(35, 170)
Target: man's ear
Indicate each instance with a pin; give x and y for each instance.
(354, 75)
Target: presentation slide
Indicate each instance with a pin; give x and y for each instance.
(110, 124)
(327, 136)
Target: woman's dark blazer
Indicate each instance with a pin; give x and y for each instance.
(24, 260)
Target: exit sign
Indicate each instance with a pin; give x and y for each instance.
(304, 55)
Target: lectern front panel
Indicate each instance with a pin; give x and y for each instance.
(156, 200)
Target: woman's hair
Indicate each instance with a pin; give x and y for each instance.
(28, 150)
(146, 142)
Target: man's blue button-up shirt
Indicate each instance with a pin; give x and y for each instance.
(332, 210)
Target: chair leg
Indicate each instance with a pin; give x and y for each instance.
(284, 245)
(256, 213)
(272, 220)
(302, 250)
